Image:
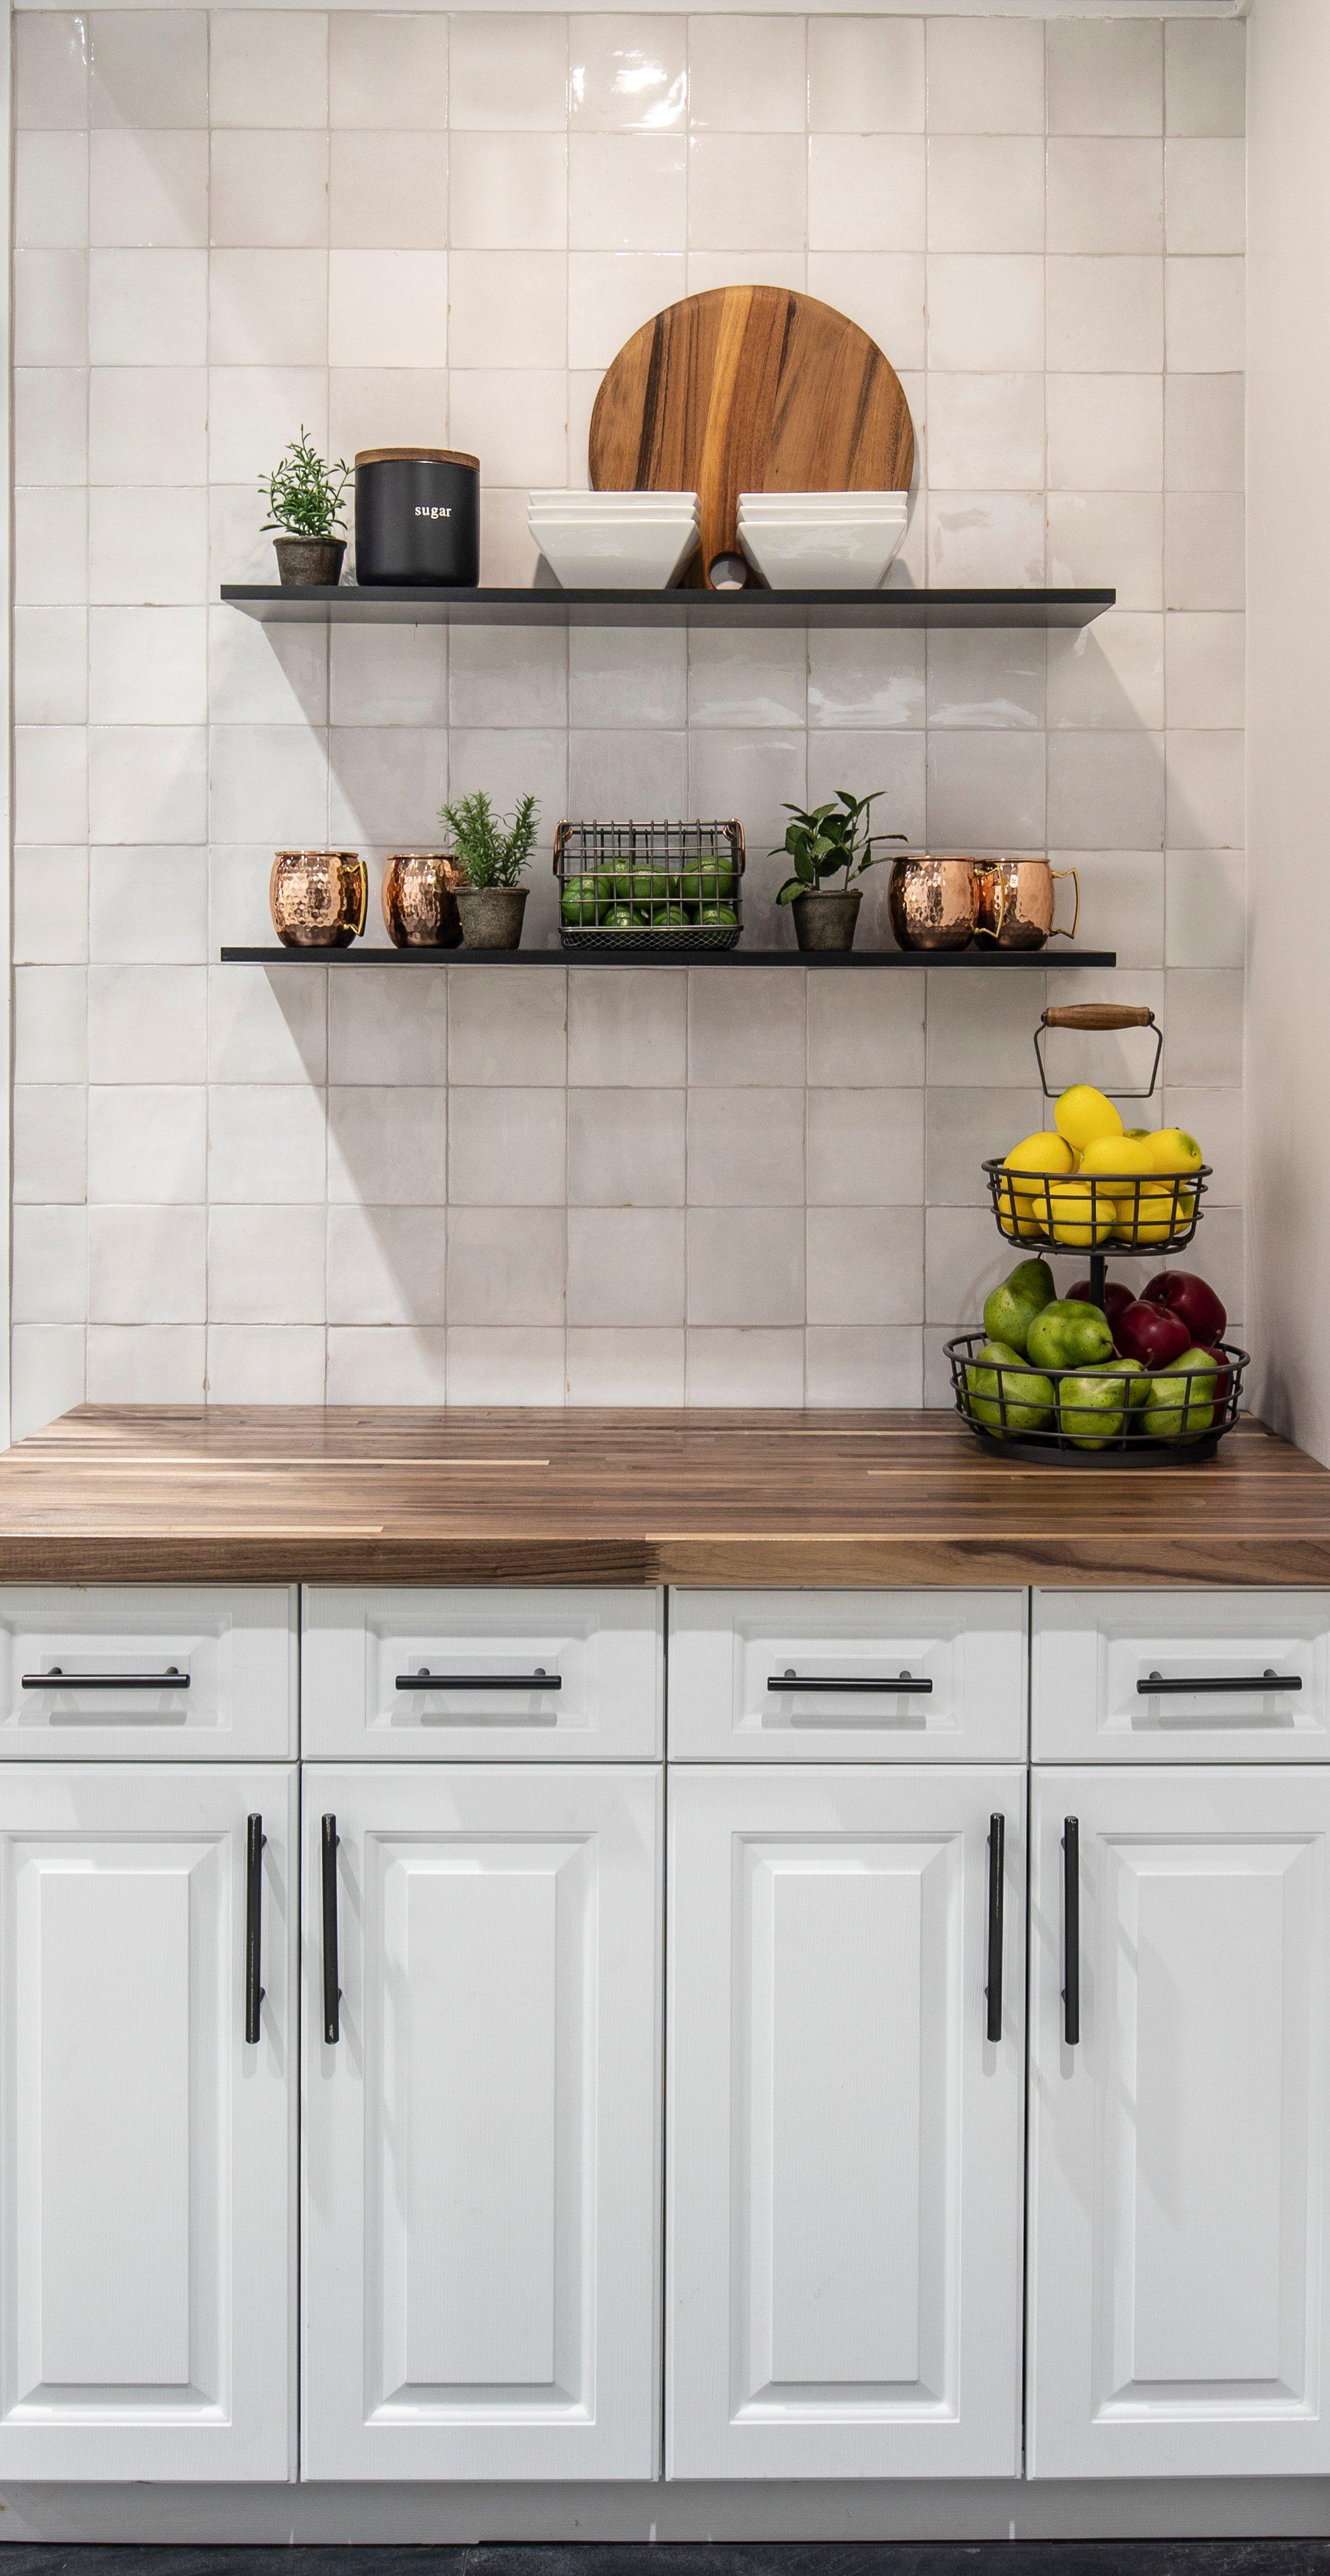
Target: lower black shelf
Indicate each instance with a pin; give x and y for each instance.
(1004, 959)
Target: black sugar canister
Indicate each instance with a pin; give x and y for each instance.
(417, 516)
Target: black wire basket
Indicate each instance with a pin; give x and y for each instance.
(1155, 1212)
(651, 886)
(1004, 1403)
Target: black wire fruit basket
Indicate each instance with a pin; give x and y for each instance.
(1058, 1414)
(671, 887)
(1100, 1413)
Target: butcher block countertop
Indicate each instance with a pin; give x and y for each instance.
(277, 1494)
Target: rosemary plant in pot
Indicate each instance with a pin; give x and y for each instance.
(495, 850)
(828, 841)
(304, 494)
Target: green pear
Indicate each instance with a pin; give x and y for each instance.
(1004, 1395)
(1010, 1308)
(1138, 1390)
(1092, 1409)
(1068, 1334)
(1181, 1400)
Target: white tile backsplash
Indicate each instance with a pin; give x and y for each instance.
(650, 1186)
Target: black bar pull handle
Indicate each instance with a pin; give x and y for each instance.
(1071, 1930)
(822, 1682)
(1155, 1685)
(254, 1842)
(332, 1992)
(55, 1679)
(997, 1852)
(423, 1680)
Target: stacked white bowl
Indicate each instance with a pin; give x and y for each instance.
(614, 540)
(822, 540)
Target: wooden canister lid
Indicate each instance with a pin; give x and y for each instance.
(416, 456)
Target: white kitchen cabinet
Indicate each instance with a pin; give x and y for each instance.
(1192, 1676)
(844, 2142)
(1179, 2291)
(147, 2145)
(481, 2121)
(148, 1672)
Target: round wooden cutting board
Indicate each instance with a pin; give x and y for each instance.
(749, 389)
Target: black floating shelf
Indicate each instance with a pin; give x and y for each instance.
(388, 605)
(1004, 958)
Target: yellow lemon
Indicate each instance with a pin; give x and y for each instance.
(1173, 1150)
(1045, 1152)
(1023, 1211)
(1116, 1155)
(1079, 1214)
(1084, 1113)
(1155, 1212)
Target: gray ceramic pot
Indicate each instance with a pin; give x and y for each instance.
(491, 916)
(306, 561)
(826, 920)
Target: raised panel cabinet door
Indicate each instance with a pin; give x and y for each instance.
(1179, 2043)
(481, 2121)
(844, 2140)
(147, 2143)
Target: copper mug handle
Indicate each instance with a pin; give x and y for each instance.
(1055, 876)
(980, 868)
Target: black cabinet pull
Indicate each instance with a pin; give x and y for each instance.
(254, 1842)
(997, 1850)
(821, 1682)
(1071, 1930)
(332, 1992)
(422, 1680)
(171, 1679)
(1155, 1684)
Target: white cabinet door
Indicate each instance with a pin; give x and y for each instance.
(481, 2135)
(1179, 2246)
(844, 2144)
(147, 2147)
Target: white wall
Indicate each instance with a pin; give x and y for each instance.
(471, 1187)
(1289, 739)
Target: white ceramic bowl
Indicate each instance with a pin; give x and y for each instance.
(827, 555)
(607, 555)
(824, 505)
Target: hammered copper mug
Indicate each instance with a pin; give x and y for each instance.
(932, 903)
(1017, 901)
(419, 906)
(318, 898)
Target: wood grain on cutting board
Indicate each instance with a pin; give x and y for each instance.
(749, 389)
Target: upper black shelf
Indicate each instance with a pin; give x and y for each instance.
(1005, 959)
(388, 605)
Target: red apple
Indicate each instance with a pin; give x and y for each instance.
(1191, 1298)
(1150, 1334)
(1116, 1297)
(1224, 1381)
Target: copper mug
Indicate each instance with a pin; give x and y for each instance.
(933, 903)
(1017, 900)
(318, 898)
(419, 899)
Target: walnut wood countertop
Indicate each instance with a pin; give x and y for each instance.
(298, 1494)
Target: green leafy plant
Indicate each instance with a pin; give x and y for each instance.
(303, 492)
(830, 838)
(493, 848)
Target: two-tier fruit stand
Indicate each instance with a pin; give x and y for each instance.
(1154, 1213)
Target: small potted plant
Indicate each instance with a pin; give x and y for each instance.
(826, 842)
(495, 851)
(304, 496)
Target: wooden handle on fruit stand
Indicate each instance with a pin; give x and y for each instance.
(1100, 1015)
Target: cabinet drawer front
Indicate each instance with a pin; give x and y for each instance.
(752, 1676)
(1258, 1661)
(477, 1676)
(147, 1672)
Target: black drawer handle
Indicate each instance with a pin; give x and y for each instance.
(539, 1680)
(997, 1852)
(820, 1682)
(171, 1679)
(332, 1992)
(254, 1842)
(1071, 1930)
(1156, 1686)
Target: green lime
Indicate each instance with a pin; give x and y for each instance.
(622, 916)
(718, 916)
(580, 900)
(712, 882)
(668, 916)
